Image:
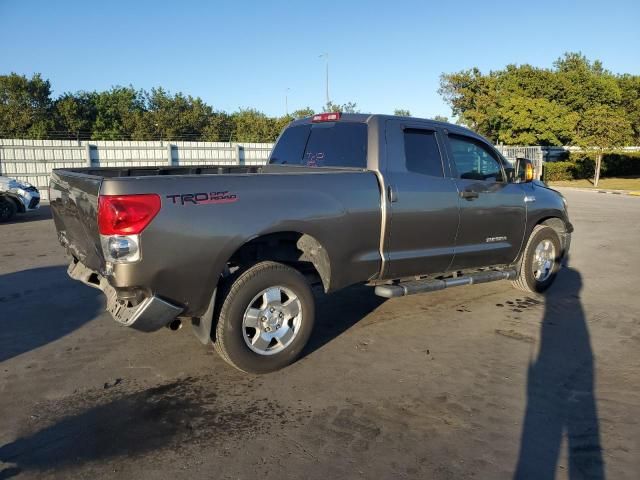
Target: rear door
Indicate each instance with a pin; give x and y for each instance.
(423, 201)
(492, 210)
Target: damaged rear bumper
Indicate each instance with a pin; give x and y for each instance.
(149, 315)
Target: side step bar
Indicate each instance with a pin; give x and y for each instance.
(421, 286)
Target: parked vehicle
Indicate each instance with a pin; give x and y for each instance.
(16, 197)
(405, 205)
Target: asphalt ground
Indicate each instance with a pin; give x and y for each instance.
(474, 382)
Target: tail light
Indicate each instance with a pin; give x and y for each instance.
(326, 117)
(126, 214)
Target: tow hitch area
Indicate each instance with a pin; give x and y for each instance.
(149, 315)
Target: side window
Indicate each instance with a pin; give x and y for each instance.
(422, 153)
(474, 161)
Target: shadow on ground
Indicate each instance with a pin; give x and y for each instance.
(560, 391)
(338, 312)
(41, 305)
(180, 414)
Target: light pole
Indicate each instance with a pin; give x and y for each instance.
(286, 101)
(325, 55)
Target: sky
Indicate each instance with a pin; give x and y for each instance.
(383, 55)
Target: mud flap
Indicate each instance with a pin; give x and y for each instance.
(202, 326)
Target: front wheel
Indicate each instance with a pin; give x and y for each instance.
(266, 318)
(8, 209)
(540, 261)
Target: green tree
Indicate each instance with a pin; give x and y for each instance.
(75, 113)
(119, 114)
(602, 128)
(349, 107)
(535, 121)
(400, 112)
(303, 112)
(25, 106)
(251, 125)
(441, 118)
(527, 104)
(175, 117)
(220, 128)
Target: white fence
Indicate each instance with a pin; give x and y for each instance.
(535, 154)
(33, 160)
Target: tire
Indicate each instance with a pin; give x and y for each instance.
(8, 209)
(535, 276)
(258, 329)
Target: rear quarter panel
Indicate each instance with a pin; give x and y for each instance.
(186, 247)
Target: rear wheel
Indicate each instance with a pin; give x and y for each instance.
(540, 261)
(266, 318)
(8, 209)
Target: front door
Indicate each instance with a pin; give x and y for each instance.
(492, 210)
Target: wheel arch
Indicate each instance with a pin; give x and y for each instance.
(299, 250)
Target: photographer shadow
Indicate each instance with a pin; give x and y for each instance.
(560, 391)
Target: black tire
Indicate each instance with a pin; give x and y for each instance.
(526, 276)
(239, 295)
(8, 209)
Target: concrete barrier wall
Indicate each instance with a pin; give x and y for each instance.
(33, 160)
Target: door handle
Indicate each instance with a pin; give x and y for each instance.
(392, 194)
(469, 194)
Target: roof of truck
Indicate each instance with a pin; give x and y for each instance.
(369, 117)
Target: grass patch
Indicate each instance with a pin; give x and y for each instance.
(631, 183)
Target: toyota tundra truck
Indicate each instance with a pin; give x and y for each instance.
(404, 205)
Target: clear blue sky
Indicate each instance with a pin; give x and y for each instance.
(383, 54)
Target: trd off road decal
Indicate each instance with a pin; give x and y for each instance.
(203, 198)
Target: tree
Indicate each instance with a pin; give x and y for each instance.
(441, 118)
(303, 112)
(252, 125)
(25, 106)
(535, 121)
(75, 113)
(176, 117)
(602, 128)
(528, 104)
(400, 112)
(119, 114)
(349, 107)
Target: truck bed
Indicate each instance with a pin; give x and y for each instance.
(187, 245)
(115, 172)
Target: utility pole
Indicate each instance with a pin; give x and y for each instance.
(325, 55)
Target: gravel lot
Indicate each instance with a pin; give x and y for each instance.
(473, 382)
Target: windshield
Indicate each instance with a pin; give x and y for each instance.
(331, 144)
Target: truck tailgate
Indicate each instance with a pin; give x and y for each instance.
(74, 205)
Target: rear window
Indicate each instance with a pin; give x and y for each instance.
(331, 144)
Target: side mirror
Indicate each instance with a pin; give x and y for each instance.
(524, 170)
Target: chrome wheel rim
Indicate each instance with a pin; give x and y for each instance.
(544, 258)
(272, 320)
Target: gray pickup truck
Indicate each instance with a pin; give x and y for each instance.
(402, 204)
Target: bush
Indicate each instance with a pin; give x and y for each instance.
(614, 164)
(556, 171)
(582, 165)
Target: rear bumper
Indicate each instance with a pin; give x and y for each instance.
(149, 315)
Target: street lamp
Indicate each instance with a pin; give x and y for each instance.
(325, 55)
(286, 101)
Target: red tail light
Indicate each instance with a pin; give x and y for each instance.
(126, 214)
(326, 117)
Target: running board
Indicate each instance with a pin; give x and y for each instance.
(422, 286)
